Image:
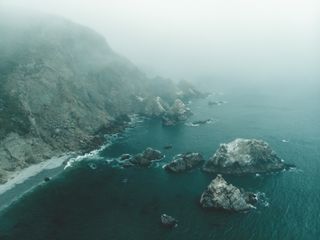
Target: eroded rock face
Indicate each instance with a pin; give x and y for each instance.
(155, 107)
(221, 195)
(184, 162)
(143, 159)
(245, 156)
(177, 113)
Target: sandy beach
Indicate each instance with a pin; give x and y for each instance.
(24, 180)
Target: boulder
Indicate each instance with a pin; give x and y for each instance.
(201, 122)
(243, 156)
(168, 221)
(152, 154)
(125, 156)
(184, 162)
(143, 159)
(221, 195)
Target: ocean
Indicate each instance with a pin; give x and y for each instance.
(95, 199)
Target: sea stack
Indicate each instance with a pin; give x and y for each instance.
(221, 195)
(184, 162)
(243, 156)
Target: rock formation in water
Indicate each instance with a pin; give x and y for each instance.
(168, 221)
(184, 162)
(177, 113)
(244, 156)
(221, 195)
(202, 122)
(63, 88)
(143, 159)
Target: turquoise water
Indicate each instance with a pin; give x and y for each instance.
(112, 203)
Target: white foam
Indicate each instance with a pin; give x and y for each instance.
(262, 199)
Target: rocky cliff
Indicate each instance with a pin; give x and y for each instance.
(61, 85)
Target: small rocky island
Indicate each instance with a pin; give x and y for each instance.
(168, 221)
(221, 195)
(143, 159)
(243, 156)
(184, 162)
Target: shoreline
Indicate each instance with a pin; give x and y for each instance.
(24, 180)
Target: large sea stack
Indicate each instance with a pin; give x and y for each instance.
(243, 156)
(221, 195)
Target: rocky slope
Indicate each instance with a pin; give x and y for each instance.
(245, 156)
(62, 87)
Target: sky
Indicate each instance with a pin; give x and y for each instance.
(256, 40)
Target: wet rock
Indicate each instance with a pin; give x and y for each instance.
(221, 195)
(251, 197)
(143, 159)
(168, 121)
(218, 103)
(152, 154)
(184, 162)
(243, 156)
(47, 179)
(125, 156)
(168, 147)
(201, 122)
(168, 221)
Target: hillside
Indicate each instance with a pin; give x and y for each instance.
(61, 84)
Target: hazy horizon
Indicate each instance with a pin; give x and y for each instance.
(234, 40)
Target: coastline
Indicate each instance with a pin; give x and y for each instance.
(22, 181)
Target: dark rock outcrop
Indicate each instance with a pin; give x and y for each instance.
(167, 147)
(221, 195)
(143, 159)
(184, 162)
(243, 156)
(168, 221)
(201, 122)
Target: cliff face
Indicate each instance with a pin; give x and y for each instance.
(59, 84)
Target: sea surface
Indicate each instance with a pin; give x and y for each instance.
(94, 199)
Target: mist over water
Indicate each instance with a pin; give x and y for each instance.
(260, 59)
(232, 41)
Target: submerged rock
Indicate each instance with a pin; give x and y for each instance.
(201, 122)
(211, 103)
(168, 147)
(168, 221)
(184, 162)
(221, 195)
(143, 159)
(245, 156)
(47, 179)
(125, 156)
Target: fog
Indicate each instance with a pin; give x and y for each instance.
(227, 41)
